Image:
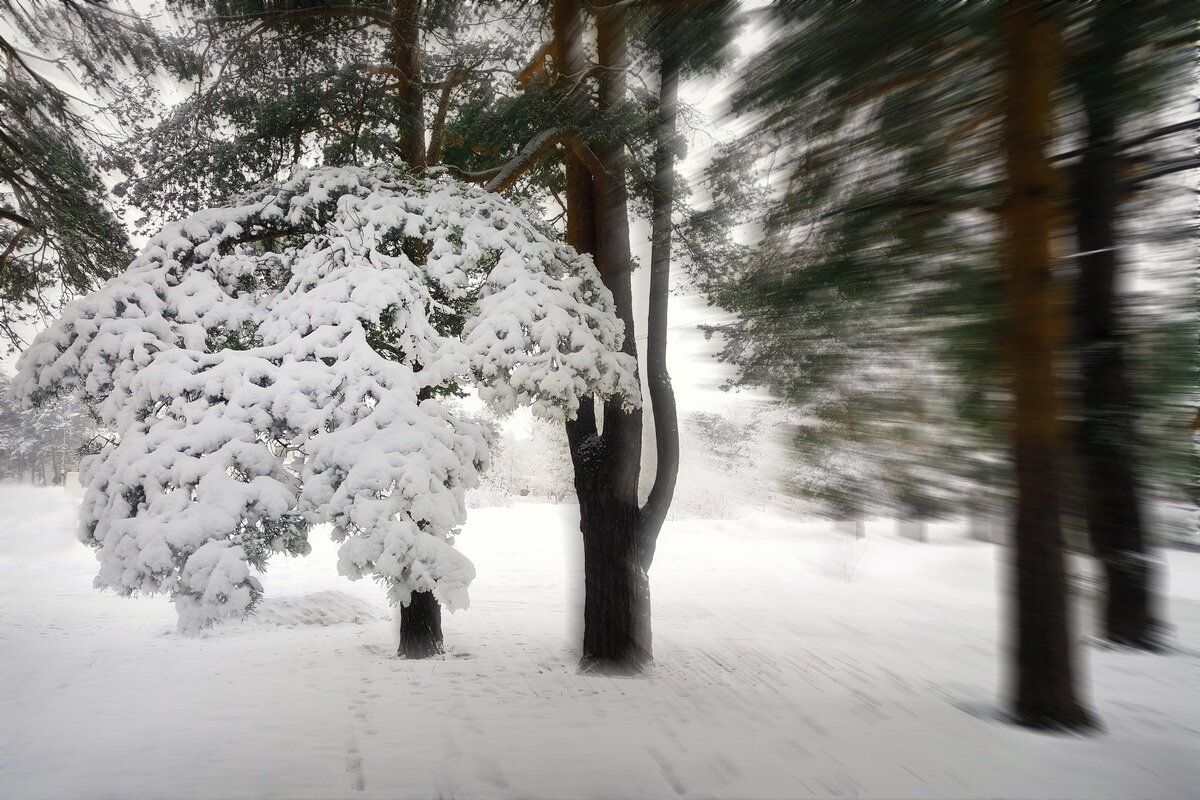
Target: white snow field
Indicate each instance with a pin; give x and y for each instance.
(791, 662)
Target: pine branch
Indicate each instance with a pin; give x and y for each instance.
(458, 76)
(482, 176)
(378, 69)
(12, 245)
(1187, 125)
(13, 216)
(525, 159)
(1157, 133)
(274, 18)
(1164, 169)
(536, 64)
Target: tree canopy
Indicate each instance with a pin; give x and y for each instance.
(285, 362)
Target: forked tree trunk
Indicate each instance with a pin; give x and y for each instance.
(1107, 435)
(606, 443)
(607, 456)
(1044, 680)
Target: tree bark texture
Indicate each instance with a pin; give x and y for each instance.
(420, 627)
(1044, 693)
(405, 53)
(1107, 431)
(606, 442)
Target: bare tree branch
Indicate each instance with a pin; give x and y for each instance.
(458, 76)
(12, 245)
(1187, 125)
(13, 216)
(536, 64)
(526, 158)
(378, 69)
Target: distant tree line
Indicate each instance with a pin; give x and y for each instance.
(41, 445)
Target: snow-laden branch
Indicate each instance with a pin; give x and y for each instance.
(263, 384)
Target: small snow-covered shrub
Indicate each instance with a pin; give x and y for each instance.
(286, 361)
(488, 495)
(842, 557)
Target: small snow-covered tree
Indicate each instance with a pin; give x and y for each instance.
(285, 362)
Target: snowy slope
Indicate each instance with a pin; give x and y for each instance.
(790, 663)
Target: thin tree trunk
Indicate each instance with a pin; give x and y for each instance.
(658, 379)
(1044, 679)
(437, 134)
(1107, 440)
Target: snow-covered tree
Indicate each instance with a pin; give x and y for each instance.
(41, 445)
(285, 361)
(530, 461)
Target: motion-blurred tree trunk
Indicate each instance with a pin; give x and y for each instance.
(1107, 432)
(1045, 694)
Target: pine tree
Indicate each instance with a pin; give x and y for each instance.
(877, 258)
(1044, 682)
(326, 81)
(589, 122)
(1116, 85)
(41, 445)
(75, 72)
(285, 362)
(891, 119)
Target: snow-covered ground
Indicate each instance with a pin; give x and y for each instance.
(791, 662)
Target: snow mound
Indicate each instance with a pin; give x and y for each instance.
(319, 608)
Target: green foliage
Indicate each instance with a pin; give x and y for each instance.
(282, 91)
(876, 271)
(270, 101)
(74, 72)
(877, 126)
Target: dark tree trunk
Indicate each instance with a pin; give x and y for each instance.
(658, 379)
(420, 627)
(606, 443)
(421, 619)
(406, 59)
(616, 610)
(1107, 431)
(1044, 690)
(606, 454)
(915, 529)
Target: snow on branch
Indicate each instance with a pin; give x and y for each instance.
(286, 361)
